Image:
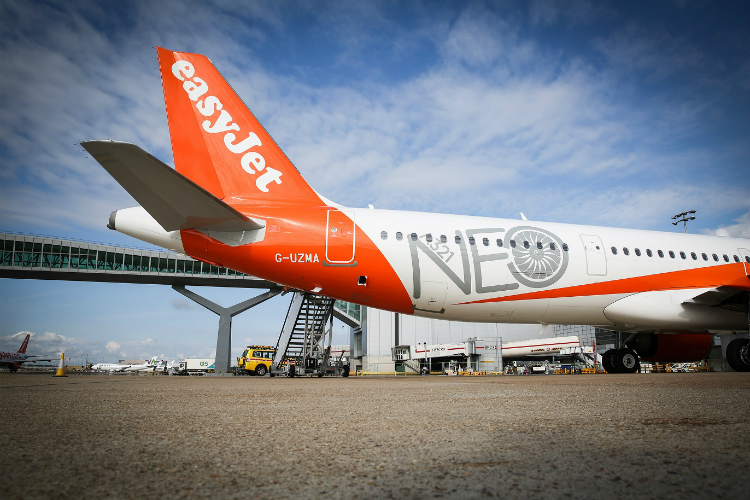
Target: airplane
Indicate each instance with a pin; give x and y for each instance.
(538, 348)
(116, 367)
(235, 200)
(151, 364)
(14, 360)
(109, 367)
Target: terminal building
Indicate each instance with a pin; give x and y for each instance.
(373, 344)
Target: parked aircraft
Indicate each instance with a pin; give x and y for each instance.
(538, 348)
(109, 367)
(235, 200)
(14, 360)
(151, 364)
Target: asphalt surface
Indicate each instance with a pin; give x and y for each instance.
(604, 436)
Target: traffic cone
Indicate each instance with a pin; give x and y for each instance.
(61, 369)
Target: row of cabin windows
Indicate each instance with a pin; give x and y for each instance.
(472, 241)
(513, 244)
(683, 255)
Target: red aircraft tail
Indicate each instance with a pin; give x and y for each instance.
(25, 344)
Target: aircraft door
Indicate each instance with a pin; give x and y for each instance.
(596, 259)
(432, 296)
(745, 256)
(340, 237)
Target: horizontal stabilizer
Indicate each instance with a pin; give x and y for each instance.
(173, 200)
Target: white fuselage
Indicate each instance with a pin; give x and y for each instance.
(574, 278)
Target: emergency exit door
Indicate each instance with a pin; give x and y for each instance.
(596, 259)
(340, 237)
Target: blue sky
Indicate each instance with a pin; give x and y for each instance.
(607, 113)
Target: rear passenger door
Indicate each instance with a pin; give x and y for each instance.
(596, 259)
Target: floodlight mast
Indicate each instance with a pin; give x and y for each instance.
(685, 218)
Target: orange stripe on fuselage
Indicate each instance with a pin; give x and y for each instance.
(295, 230)
(705, 277)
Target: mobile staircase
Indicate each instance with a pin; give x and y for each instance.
(304, 345)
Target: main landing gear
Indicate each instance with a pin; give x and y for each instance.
(738, 350)
(623, 360)
(738, 355)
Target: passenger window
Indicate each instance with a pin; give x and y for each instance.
(736, 259)
(413, 236)
(499, 242)
(565, 247)
(551, 246)
(671, 254)
(539, 245)
(513, 243)
(443, 239)
(472, 241)
(661, 254)
(384, 235)
(747, 259)
(638, 252)
(648, 252)
(428, 237)
(526, 245)
(614, 251)
(705, 257)
(716, 257)
(458, 240)
(682, 254)
(399, 236)
(726, 259)
(625, 250)
(695, 257)
(486, 241)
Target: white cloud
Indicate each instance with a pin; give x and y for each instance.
(739, 230)
(112, 346)
(49, 337)
(11, 343)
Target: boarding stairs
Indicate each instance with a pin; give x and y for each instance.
(587, 358)
(413, 366)
(302, 342)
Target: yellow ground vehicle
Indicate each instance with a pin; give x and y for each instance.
(256, 360)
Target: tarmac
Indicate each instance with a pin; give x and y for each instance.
(682, 435)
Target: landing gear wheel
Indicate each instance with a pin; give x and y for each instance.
(607, 361)
(626, 361)
(261, 370)
(738, 355)
(292, 371)
(345, 372)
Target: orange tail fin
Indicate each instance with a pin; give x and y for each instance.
(218, 143)
(25, 344)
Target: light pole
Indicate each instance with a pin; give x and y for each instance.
(685, 218)
(86, 366)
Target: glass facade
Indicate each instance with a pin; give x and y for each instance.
(39, 252)
(353, 310)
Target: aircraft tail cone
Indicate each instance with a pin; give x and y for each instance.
(61, 369)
